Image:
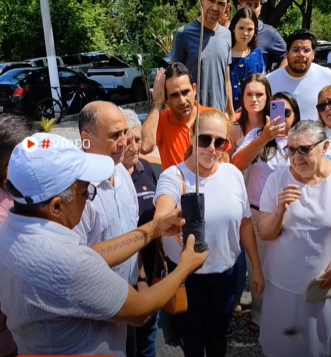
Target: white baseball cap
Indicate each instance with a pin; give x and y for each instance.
(50, 164)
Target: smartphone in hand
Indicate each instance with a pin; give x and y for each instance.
(277, 109)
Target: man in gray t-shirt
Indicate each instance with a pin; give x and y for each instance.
(215, 89)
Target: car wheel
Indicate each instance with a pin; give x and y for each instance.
(138, 91)
(48, 108)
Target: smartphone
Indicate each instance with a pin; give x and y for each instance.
(277, 109)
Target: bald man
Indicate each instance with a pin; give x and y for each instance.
(114, 211)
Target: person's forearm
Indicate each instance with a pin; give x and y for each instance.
(229, 106)
(270, 225)
(248, 240)
(118, 250)
(243, 158)
(159, 294)
(149, 130)
(138, 308)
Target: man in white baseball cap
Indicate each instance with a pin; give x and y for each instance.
(60, 297)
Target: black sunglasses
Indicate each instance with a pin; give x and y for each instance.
(220, 144)
(90, 193)
(302, 150)
(322, 106)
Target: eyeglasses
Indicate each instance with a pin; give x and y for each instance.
(288, 112)
(90, 193)
(302, 150)
(321, 108)
(204, 141)
(306, 51)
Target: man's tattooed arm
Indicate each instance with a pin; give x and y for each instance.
(118, 250)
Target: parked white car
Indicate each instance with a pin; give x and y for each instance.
(42, 62)
(119, 77)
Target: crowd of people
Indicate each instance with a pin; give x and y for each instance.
(82, 231)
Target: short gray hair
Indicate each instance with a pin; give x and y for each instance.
(66, 195)
(132, 119)
(314, 128)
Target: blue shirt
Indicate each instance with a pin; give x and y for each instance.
(59, 296)
(242, 68)
(272, 46)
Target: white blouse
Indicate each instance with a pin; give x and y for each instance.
(303, 249)
(226, 204)
(259, 171)
(328, 136)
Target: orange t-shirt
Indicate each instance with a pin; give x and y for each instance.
(173, 138)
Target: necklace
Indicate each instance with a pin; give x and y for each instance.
(240, 77)
(244, 54)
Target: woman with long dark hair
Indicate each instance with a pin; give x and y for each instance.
(262, 152)
(255, 102)
(247, 59)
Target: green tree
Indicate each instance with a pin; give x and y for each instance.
(77, 27)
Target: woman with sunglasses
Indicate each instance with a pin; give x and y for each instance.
(211, 290)
(247, 58)
(324, 112)
(295, 221)
(262, 153)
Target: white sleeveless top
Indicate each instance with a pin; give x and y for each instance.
(303, 249)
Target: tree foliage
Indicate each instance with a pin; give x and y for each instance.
(127, 27)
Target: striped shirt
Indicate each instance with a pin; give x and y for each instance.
(113, 212)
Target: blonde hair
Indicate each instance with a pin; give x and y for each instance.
(205, 115)
(323, 91)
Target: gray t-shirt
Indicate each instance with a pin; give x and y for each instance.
(215, 57)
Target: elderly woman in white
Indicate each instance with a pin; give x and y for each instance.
(295, 220)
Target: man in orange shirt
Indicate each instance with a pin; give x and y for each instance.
(169, 129)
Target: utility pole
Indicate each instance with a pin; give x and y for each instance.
(50, 48)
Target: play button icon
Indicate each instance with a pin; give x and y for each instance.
(30, 144)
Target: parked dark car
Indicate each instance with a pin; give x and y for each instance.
(5, 67)
(22, 89)
(321, 53)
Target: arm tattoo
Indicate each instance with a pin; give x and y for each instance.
(136, 236)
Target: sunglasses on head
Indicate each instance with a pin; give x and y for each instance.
(322, 106)
(302, 150)
(205, 140)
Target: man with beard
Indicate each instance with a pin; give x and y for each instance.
(215, 91)
(302, 78)
(170, 129)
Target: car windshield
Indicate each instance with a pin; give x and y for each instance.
(17, 75)
(2, 65)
